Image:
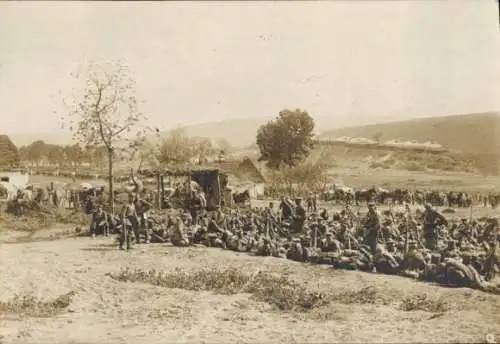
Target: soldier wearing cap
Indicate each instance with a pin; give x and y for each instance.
(131, 225)
(384, 262)
(179, 237)
(330, 243)
(300, 216)
(373, 223)
(143, 208)
(434, 269)
(431, 219)
(100, 222)
(296, 251)
(451, 251)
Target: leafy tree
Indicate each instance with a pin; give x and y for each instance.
(98, 155)
(35, 152)
(287, 140)
(75, 155)
(176, 149)
(55, 154)
(202, 148)
(106, 112)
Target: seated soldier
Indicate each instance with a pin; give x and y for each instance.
(296, 251)
(433, 270)
(264, 247)
(413, 261)
(236, 242)
(100, 222)
(458, 274)
(179, 237)
(330, 243)
(351, 260)
(384, 262)
(215, 240)
(451, 250)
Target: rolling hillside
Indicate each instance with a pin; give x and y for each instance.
(474, 135)
(241, 132)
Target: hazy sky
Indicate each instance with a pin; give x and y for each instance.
(197, 62)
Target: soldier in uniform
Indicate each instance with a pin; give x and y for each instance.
(451, 250)
(131, 225)
(100, 222)
(296, 250)
(143, 208)
(271, 220)
(431, 219)
(179, 237)
(373, 224)
(300, 216)
(286, 210)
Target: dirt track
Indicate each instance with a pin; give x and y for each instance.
(105, 310)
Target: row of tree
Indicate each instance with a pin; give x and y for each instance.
(39, 153)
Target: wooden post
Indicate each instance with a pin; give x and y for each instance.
(158, 202)
(162, 191)
(218, 188)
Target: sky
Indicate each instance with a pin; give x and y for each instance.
(196, 62)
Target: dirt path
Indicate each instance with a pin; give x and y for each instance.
(105, 310)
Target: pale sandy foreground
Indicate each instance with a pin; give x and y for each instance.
(104, 310)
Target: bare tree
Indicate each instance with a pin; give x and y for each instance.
(106, 112)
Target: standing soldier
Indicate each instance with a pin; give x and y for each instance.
(142, 208)
(271, 219)
(300, 216)
(310, 203)
(431, 220)
(315, 202)
(130, 223)
(285, 208)
(373, 224)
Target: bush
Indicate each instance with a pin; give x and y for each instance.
(414, 167)
(422, 302)
(34, 307)
(35, 220)
(366, 295)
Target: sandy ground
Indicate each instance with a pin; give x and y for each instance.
(109, 311)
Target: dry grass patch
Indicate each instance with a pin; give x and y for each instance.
(280, 292)
(33, 220)
(24, 223)
(28, 305)
(366, 295)
(422, 302)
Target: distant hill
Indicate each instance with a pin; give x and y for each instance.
(476, 135)
(58, 138)
(242, 132)
(473, 133)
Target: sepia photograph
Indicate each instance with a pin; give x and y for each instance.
(249, 172)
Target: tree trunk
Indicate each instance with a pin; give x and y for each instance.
(110, 182)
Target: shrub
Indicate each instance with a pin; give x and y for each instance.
(34, 307)
(422, 302)
(281, 292)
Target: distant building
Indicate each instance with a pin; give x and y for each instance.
(9, 154)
